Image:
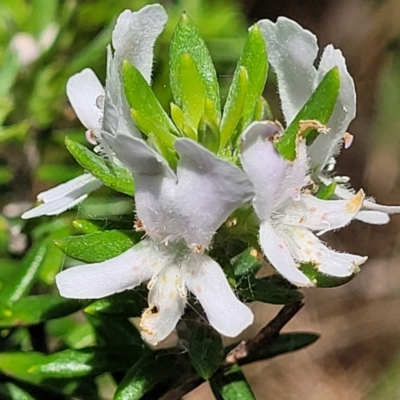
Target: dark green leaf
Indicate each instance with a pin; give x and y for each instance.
(251, 73)
(87, 362)
(324, 281)
(326, 192)
(35, 309)
(205, 349)
(273, 289)
(284, 343)
(187, 41)
(98, 246)
(249, 262)
(130, 303)
(319, 107)
(112, 175)
(231, 384)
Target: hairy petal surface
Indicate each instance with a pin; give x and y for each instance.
(63, 197)
(94, 281)
(206, 280)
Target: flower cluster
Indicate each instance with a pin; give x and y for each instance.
(190, 175)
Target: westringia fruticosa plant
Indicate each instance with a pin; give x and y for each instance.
(217, 192)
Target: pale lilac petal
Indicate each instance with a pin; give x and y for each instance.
(206, 280)
(321, 215)
(277, 252)
(94, 281)
(326, 145)
(209, 190)
(373, 217)
(134, 36)
(63, 197)
(305, 247)
(84, 90)
(167, 298)
(292, 51)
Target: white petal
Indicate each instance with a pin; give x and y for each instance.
(134, 36)
(63, 197)
(208, 283)
(373, 217)
(208, 191)
(307, 248)
(167, 298)
(83, 91)
(274, 179)
(370, 205)
(94, 281)
(277, 252)
(326, 145)
(292, 51)
(321, 215)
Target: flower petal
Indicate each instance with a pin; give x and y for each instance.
(277, 252)
(321, 215)
(63, 197)
(326, 145)
(373, 217)
(307, 248)
(292, 51)
(134, 36)
(84, 90)
(129, 269)
(274, 179)
(206, 280)
(167, 298)
(208, 191)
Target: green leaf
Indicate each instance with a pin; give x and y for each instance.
(324, 281)
(87, 362)
(231, 384)
(208, 134)
(273, 290)
(86, 226)
(247, 86)
(25, 275)
(115, 330)
(319, 107)
(130, 303)
(284, 343)
(149, 371)
(205, 350)
(112, 175)
(187, 41)
(249, 262)
(98, 246)
(326, 192)
(35, 309)
(147, 112)
(18, 390)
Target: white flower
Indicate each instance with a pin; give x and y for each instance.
(292, 52)
(289, 214)
(180, 213)
(106, 109)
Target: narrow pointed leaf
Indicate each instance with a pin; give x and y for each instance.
(326, 192)
(113, 176)
(32, 310)
(231, 384)
(187, 40)
(319, 107)
(148, 113)
(98, 246)
(130, 303)
(205, 350)
(273, 290)
(284, 343)
(322, 280)
(249, 262)
(254, 61)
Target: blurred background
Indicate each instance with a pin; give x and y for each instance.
(43, 42)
